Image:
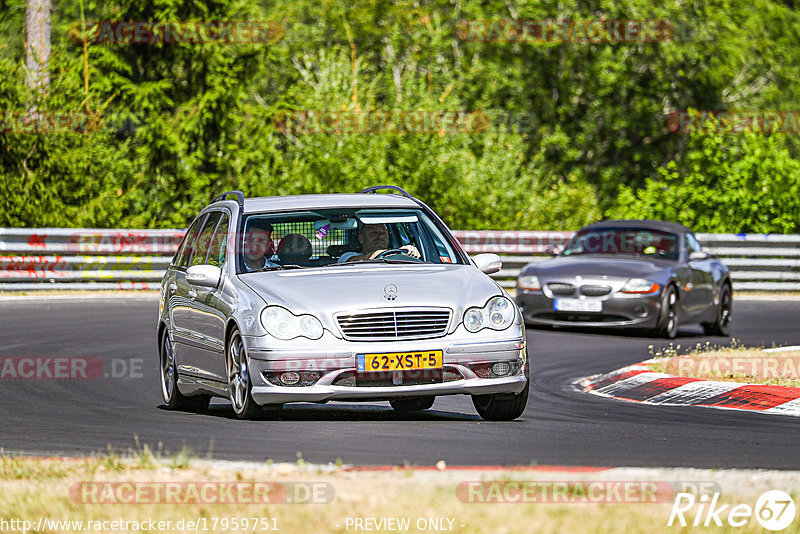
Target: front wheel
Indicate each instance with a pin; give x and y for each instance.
(412, 405)
(239, 383)
(503, 406)
(722, 325)
(173, 398)
(668, 320)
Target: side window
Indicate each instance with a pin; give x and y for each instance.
(692, 245)
(216, 254)
(203, 242)
(185, 249)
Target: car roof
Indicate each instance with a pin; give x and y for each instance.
(645, 224)
(344, 200)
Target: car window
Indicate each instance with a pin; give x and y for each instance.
(203, 242)
(216, 254)
(644, 241)
(692, 245)
(185, 250)
(319, 237)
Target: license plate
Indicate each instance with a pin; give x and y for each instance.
(399, 361)
(578, 305)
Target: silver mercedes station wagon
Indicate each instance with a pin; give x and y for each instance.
(338, 297)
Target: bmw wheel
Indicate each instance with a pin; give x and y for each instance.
(668, 320)
(722, 325)
(173, 398)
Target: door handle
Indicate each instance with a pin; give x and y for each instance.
(192, 294)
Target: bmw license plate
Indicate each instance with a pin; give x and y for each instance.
(578, 305)
(399, 361)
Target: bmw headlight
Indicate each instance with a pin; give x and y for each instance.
(640, 286)
(498, 314)
(283, 324)
(529, 282)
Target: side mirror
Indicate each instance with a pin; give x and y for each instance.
(488, 263)
(554, 250)
(699, 255)
(203, 275)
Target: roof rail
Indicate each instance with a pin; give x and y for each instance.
(376, 188)
(239, 197)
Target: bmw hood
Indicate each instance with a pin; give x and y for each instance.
(567, 266)
(326, 291)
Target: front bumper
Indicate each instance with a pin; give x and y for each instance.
(632, 311)
(271, 394)
(337, 360)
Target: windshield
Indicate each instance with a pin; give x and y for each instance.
(323, 238)
(637, 241)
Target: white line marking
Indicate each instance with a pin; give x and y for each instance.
(783, 349)
(791, 407)
(624, 385)
(694, 392)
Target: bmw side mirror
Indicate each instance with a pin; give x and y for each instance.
(203, 275)
(699, 255)
(488, 263)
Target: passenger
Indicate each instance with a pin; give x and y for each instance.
(258, 246)
(374, 239)
(294, 249)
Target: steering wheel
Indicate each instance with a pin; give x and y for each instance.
(391, 252)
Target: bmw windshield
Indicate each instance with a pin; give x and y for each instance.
(631, 241)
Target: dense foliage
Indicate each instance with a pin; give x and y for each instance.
(571, 131)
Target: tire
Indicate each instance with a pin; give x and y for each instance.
(722, 324)
(239, 383)
(668, 319)
(504, 406)
(412, 405)
(173, 398)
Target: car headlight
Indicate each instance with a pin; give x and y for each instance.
(640, 286)
(529, 282)
(498, 314)
(283, 324)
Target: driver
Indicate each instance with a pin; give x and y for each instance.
(374, 239)
(258, 246)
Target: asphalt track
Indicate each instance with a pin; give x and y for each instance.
(561, 426)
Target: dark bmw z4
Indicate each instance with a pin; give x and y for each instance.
(639, 274)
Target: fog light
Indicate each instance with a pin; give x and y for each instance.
(501, 369)
(290, 378)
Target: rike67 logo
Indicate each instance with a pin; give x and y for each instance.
(774, 510)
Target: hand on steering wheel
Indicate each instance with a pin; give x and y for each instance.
(390, 252)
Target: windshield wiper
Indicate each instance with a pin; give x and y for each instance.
(376, 260)
(280, 268)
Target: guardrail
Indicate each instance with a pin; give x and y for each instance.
(60, 258)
